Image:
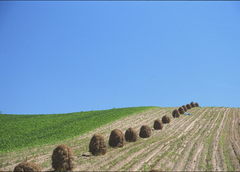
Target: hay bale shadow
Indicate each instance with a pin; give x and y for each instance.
(27, 167)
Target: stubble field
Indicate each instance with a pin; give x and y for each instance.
(209, 139)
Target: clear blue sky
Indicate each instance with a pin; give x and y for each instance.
(59, 57)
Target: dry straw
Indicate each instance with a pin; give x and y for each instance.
(158, 125)
(175, 113)
(196, 105)
(165, 119)
(97, 145)
(188, 106)
(116, 138)
(145, 131)
(27, 166)
(131, 135)
(62, 158)
(184, 108)
(181, 110)
(192, 104)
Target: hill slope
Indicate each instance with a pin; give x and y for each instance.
(21, 131)
(209, 139)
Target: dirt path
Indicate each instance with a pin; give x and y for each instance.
(209, 139)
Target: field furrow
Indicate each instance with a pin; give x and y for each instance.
(209, 139)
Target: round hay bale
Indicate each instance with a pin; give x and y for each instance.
(181, 110)
(27, 167)
(192, 104)
(131, 135)
(184, 108)
(196, 105)
(116, 138)
(188, 106)
(158, 125)
(62, 158)
(145, 131)
(97, 145)
(165, 119)
(175, 113)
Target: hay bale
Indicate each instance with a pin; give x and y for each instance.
(158, 125)
(184, 108)
(145, 131)
(188, 106)
(181, 110)
(62, 158)
(175, 113)
(116, 138)
(97, 145)
(196, 105)
(192, 104)
(27, 167)
(131, 135)
(165, 119)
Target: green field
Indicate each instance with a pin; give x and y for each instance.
(21, 131)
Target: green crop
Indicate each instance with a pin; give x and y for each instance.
(21, 131)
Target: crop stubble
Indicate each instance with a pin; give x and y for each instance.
(209, 139)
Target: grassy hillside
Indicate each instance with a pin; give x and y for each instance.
(20, 131)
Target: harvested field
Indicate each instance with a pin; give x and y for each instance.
(209, 139)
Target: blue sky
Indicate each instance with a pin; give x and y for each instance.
(59, 57)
